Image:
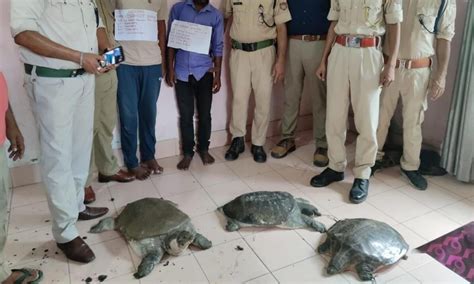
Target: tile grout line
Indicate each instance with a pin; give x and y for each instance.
(448, 204)
(255, 253)
(200, 267)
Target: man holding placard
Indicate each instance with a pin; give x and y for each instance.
(256, 65)
(195, 56)
(141, 30)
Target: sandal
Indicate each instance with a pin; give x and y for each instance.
(28, 272)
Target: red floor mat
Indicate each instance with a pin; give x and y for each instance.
(455, 250)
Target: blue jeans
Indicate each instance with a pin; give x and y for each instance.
(138, 90)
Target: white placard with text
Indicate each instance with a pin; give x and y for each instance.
(190, 37)
(136, 24)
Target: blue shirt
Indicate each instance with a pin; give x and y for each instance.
(191, 63)
(309, 17)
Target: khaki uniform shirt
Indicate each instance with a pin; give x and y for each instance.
(417, 41)
(248, 24)
(143, 53)
(106, 10)
(71, 23)
(364, 17)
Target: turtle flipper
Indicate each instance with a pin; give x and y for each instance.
(148, 263)
(105, 224)
(324, 247)
(310, 222)
(365, 271)
(307, 209)
(232, 226)
(201, 242)
(338, 263)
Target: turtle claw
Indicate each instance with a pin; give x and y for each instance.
(202, 242)
(365, 272)
(311, 223)
(232, 226)
(148, 263)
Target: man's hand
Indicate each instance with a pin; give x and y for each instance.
(171, 78)
(216, 84)
(17, 147)
(436, 87)
(90, 63)
(387, 76)
(164, 72)
(278, 72)
(321, 71)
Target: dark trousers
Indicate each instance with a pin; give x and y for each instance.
(138, 90)
(186, 92)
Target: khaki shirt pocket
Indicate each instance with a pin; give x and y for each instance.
(239, 7)
(345, 11)
(427, 11)
(372, 12)
(67, 11)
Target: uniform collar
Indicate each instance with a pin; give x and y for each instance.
(206, 8)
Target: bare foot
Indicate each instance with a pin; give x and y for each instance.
(140, 172)
(153, 166)
(206, 158)
(184, 163)
(28, 275)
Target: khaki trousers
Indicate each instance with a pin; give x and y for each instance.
(5, 193)
(251, 71)
(353, 76)
(303, 60)
(105, 118)
(64, 109)
(411, 85)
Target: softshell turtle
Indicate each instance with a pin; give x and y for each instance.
(154, 227)
(362, 245)
(270, 209)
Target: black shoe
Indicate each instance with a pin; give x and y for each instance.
(236, 148)
(377, 166)
(259, 154)
(415, 179)
(359, 191)
(327, 177)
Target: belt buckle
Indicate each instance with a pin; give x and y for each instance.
(304, 37)
(352, 41)
(404, 64)
(252, 47)
(74, 73)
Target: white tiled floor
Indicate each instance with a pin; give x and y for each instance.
(268, 256)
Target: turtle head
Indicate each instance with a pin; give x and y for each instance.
(177, 242)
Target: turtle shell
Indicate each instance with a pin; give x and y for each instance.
(261, 208)
(369, 239)
(149, 217)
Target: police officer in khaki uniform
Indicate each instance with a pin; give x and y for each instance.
(59, 41)
(255, 65)
(105, 116)
(307, 32)
(426, 31)
(355, 74)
